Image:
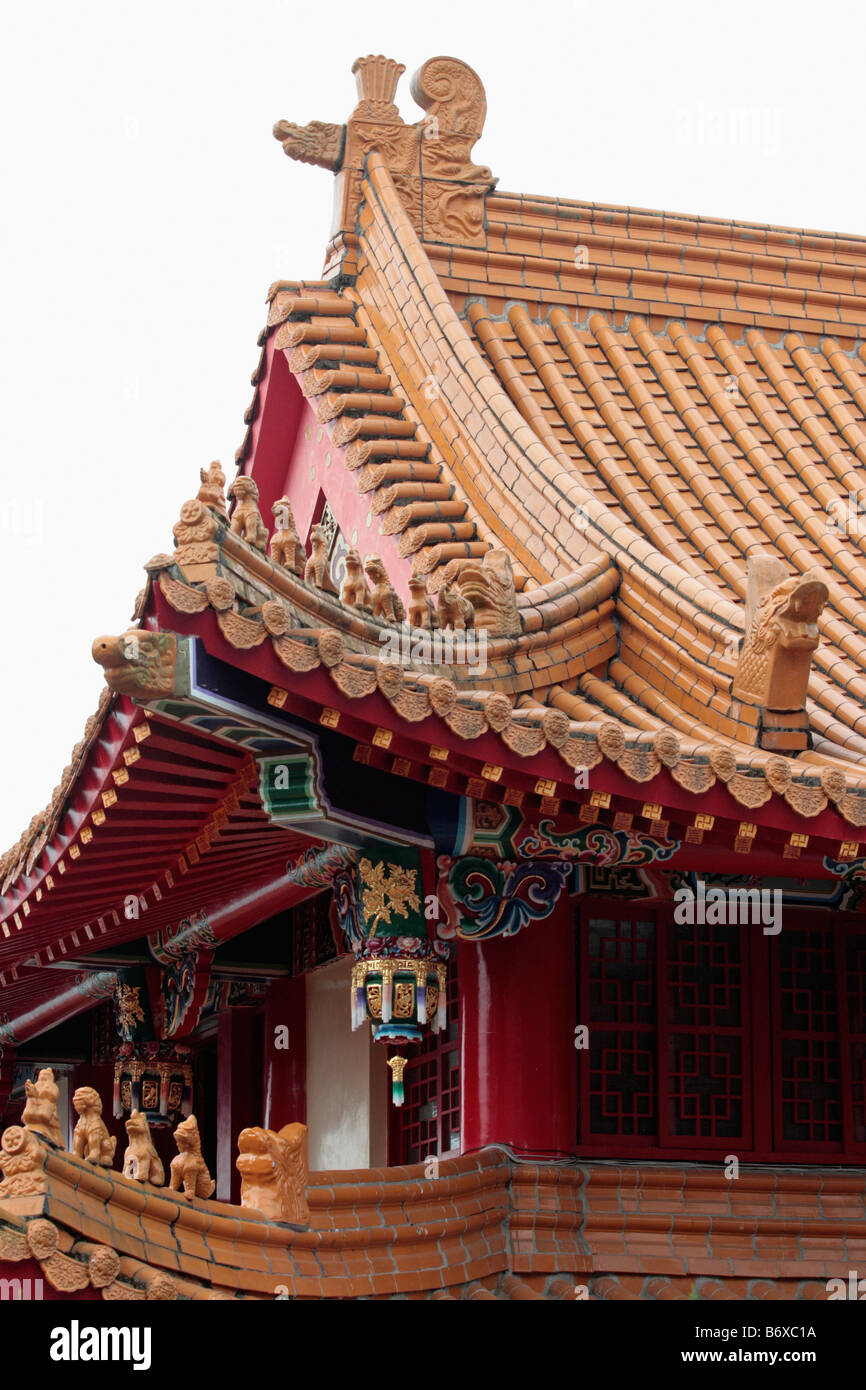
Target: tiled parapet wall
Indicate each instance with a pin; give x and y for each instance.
(482, 1225)
(373, 1233)
(692, 1220)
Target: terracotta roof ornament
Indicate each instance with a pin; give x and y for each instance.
(455, 611)
(91, 1139)
(387, 603)
(40, 1109)
(138, 663)
(286, 547)
(376, 78)
(22, 1163)
(188, 1169)
(315, 143)
(246, 518)
(488, 585)
(782, 612)
(353, 590)
(274, 1173)
(317, 569)
(442, 189)
(212, 490)
(422, 610)
(141, 1162)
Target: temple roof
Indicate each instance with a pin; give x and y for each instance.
(660, 397)
(632, 406)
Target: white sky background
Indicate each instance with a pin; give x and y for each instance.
(145, 208)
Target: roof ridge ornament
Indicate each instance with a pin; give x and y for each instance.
(782, 612)
(376, 77)
(430, 161)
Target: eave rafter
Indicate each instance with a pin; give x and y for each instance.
(131, 866)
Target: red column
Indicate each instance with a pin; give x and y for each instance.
(285, 1068)
(518, 1012)
(239, 1092)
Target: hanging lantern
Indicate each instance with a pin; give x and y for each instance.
(399, 995)
(399, 975)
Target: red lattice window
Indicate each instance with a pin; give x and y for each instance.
(717, 1039)
(428, 1121)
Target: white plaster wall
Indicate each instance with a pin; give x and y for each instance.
(346, 1078)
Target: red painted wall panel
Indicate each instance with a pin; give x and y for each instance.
(285, 1069)
(517, 1020)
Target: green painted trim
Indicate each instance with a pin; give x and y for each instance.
(288, 787)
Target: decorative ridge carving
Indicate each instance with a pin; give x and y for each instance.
(40, 1110)
(782, 612)
(91, 1139)
(274, 1173)
(140, 663)
(441, 187)
(22, 1162)
(751, 779)
(317, 143)
(376, 78)
(189, 1171)
(90, 1265)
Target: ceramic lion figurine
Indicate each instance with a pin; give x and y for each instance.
(246, 518)
(455, 610)
(317, 570)
(422, 611)
(354, 590)
(387, 603)
(141, 1162)
(91, 1139)
(211, 492)
(188, 1168)
(274, 1173)
(286, 548)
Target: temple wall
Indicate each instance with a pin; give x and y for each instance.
(346, 1078)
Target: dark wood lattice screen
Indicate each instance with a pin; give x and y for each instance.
(715, 1039)
(428, 1122)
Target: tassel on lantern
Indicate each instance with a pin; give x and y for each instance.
(442, 1005)
(421, 996)
(387, 992)
(357, 998)
(397, 1065)
(164, 1078)
(359, 1011)
(186, 1102)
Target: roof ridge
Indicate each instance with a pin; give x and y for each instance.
(666, 217)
